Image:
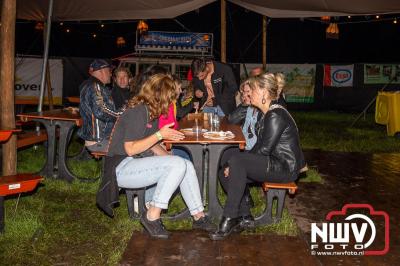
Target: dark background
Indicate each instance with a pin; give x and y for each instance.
(288, 40)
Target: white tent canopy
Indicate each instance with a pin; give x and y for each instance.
(73, 10)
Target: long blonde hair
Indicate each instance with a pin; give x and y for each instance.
(266, 81)
(158, 93)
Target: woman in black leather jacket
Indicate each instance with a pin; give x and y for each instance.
(276, 157)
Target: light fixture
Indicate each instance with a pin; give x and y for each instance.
(67, 30)
(142, 26)
(332, 31)
(39, 26)
(94, 35)
(325, 18)
(61, 23)
(377, 16)
(348, 16)
(102, 25)
(121, 41)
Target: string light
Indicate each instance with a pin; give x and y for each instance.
(39, 26)
(102, 25)
(349, 17)
(377, 16)
(67, 30)
(395, 21)
(94, 35)
(61, 23)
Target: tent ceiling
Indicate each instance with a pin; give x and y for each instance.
(317, 8)
(153, 9)
(73, 10)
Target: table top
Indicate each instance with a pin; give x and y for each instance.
(56, 114)
(193, 139)
(74, 99)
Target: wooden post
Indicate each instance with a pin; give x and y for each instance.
(264, 44)
(7, 61)
(223, 31)
(48, 79)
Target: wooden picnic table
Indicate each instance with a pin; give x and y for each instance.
(207, 166)
(67, 120)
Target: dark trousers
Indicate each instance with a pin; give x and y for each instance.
(244, 208)
(247, 168)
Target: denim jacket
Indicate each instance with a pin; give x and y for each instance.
(97, 110)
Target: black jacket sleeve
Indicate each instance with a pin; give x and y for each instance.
(238, 116)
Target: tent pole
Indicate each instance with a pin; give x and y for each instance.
(7, 64)
(223, 31)
(45, 56)
(264, 44)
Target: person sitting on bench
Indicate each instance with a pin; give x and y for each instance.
(276, 157)
(97, 107)
(140, 160)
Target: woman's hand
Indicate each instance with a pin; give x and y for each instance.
(226, 172)
(169, 133)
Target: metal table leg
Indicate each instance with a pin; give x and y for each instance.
(66, 128)
(48, 169)
(214, 206)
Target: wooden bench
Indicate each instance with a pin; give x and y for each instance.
(278, 191)
(15, 184)
(28, 138)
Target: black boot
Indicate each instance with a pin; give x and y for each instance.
(225, 228)
(247, 222)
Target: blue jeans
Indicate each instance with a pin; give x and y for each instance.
(217, 110)
(167, 173)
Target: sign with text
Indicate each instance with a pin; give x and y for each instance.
(300, 80)
(381, 74)
(28, 73)
(338, 76)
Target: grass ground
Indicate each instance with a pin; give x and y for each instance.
(60, 223)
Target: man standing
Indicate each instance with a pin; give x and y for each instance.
(121, 90)
(215, 85)
(97, 107)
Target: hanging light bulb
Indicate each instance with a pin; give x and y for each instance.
(395, 21)
(61, 23)
(102, 25)
(121, 41)
(325, 18)
(94, 35)
(142, 26)
(349, 17)
(67, 30)
(377, 16)
(39, 26)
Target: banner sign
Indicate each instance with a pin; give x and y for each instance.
(338, 76)
(300, 80)
(381, 74)
(28, 73)
(176, 41)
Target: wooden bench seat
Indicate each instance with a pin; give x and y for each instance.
(291, 187)
(15, 184)
(31, 137)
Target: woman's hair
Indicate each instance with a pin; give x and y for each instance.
(244, 83)
(266, 81)
(280, 78)
(157, 92)
(141, 78)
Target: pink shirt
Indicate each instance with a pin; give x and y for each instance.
(170, 118)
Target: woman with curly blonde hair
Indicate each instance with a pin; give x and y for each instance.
(141, 161)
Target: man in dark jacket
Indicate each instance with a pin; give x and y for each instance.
(215, 85)
(121, 91)
(97, 107)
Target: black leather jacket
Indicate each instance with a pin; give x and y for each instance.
(278, 140)
(238, 115)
